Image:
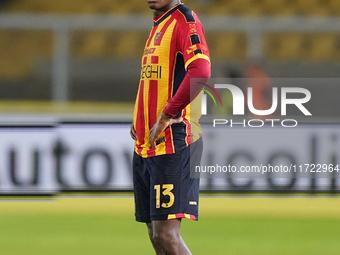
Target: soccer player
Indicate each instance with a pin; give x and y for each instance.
(165, 125)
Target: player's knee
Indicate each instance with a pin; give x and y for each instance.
(166, 238)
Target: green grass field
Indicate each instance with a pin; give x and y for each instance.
(238, 226)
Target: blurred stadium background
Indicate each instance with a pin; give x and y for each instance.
(78, 62)
(69, 74)
(89, 51)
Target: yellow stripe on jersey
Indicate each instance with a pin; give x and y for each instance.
(193, 113)
(197, 56)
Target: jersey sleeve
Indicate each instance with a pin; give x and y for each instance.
(191, 41)
(199, 68)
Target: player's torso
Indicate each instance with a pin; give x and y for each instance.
(157, 69)
(162, 71)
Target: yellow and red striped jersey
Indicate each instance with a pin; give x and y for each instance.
(175, 40)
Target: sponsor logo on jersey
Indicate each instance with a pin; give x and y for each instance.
(148, 51)
(151, 72)
(157, 37)
(193, 29)
(160, 140)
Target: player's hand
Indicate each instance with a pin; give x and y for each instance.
(162, 123)
(133, 133)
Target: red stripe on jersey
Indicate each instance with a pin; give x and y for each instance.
(164, 28)
(140, 121)
(169, 149)
(152, 109)
(151, 36)
(152, 102)
(144, 60)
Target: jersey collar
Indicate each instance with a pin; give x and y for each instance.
(157, 20)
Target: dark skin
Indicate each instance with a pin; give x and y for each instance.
(160, 7)
(164, 234)
(162, 123)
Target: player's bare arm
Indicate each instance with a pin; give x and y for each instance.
(162, 123)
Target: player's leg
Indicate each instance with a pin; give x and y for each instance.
(141, 183)
(174, 196)
(166, 235)
(141, 188)
(158, 250)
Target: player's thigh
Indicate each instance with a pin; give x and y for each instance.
(165, 178)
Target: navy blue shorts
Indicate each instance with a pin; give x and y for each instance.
(163, 188)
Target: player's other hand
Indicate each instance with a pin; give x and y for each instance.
(162, 123)
(133, 133)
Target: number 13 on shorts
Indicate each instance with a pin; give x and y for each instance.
(166, 192)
